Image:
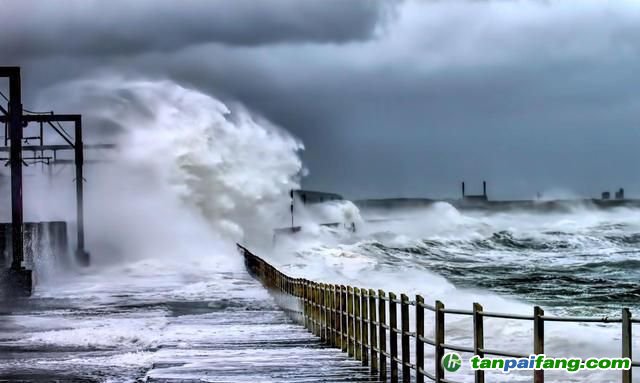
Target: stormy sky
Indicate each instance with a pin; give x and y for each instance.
(391, 98)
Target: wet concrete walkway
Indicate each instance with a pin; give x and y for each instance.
(161, 325)
(251, 346)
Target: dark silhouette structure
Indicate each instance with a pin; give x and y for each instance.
(476, 198)
(16, 119)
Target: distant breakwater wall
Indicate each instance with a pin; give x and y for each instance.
(374, 326)
(490, 205)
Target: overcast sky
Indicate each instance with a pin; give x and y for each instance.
(397, 98)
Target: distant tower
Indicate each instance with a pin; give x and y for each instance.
(475, 197)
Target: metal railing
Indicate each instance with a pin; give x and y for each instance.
(355, 321)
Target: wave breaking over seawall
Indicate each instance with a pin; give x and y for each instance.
(185, 150)
(190, 177)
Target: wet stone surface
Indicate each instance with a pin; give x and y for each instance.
(139, 330)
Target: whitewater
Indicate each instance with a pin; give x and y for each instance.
(194, 175)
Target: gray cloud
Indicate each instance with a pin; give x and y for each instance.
(531, 96)
(121, 27)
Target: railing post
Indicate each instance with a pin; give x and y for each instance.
(265, 274)
(344, 312)
(334, 316)
(309, 306)
(329, 313)
(316, 316)
(305, 306)
(314, 308)
(393, 337)
(419, 342)
(439, 341)
(275, 280)
(356, 322)
(332, 322)
(478, 338)
(364, 325)
(292, 296)
(372, 330)
(338, 315)
(323, 312)
(382, 332)
(300, 296)
(275, 283)
(350, 335)
(273, 277)
(406, 353)
(627, 346)
(319, 311)
(538, 340)
(287, 294)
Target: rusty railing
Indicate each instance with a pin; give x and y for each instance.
(355, 320)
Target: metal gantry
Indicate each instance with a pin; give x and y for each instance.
(15, 121)
(78, 148)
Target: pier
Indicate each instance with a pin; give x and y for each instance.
(259, 343)
(234, 332)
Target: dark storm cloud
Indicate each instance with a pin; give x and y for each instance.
(91, 27)
(532, 96)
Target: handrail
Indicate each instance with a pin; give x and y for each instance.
(581, 319)
(457, 312)
(488, 314)
(355, 320)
